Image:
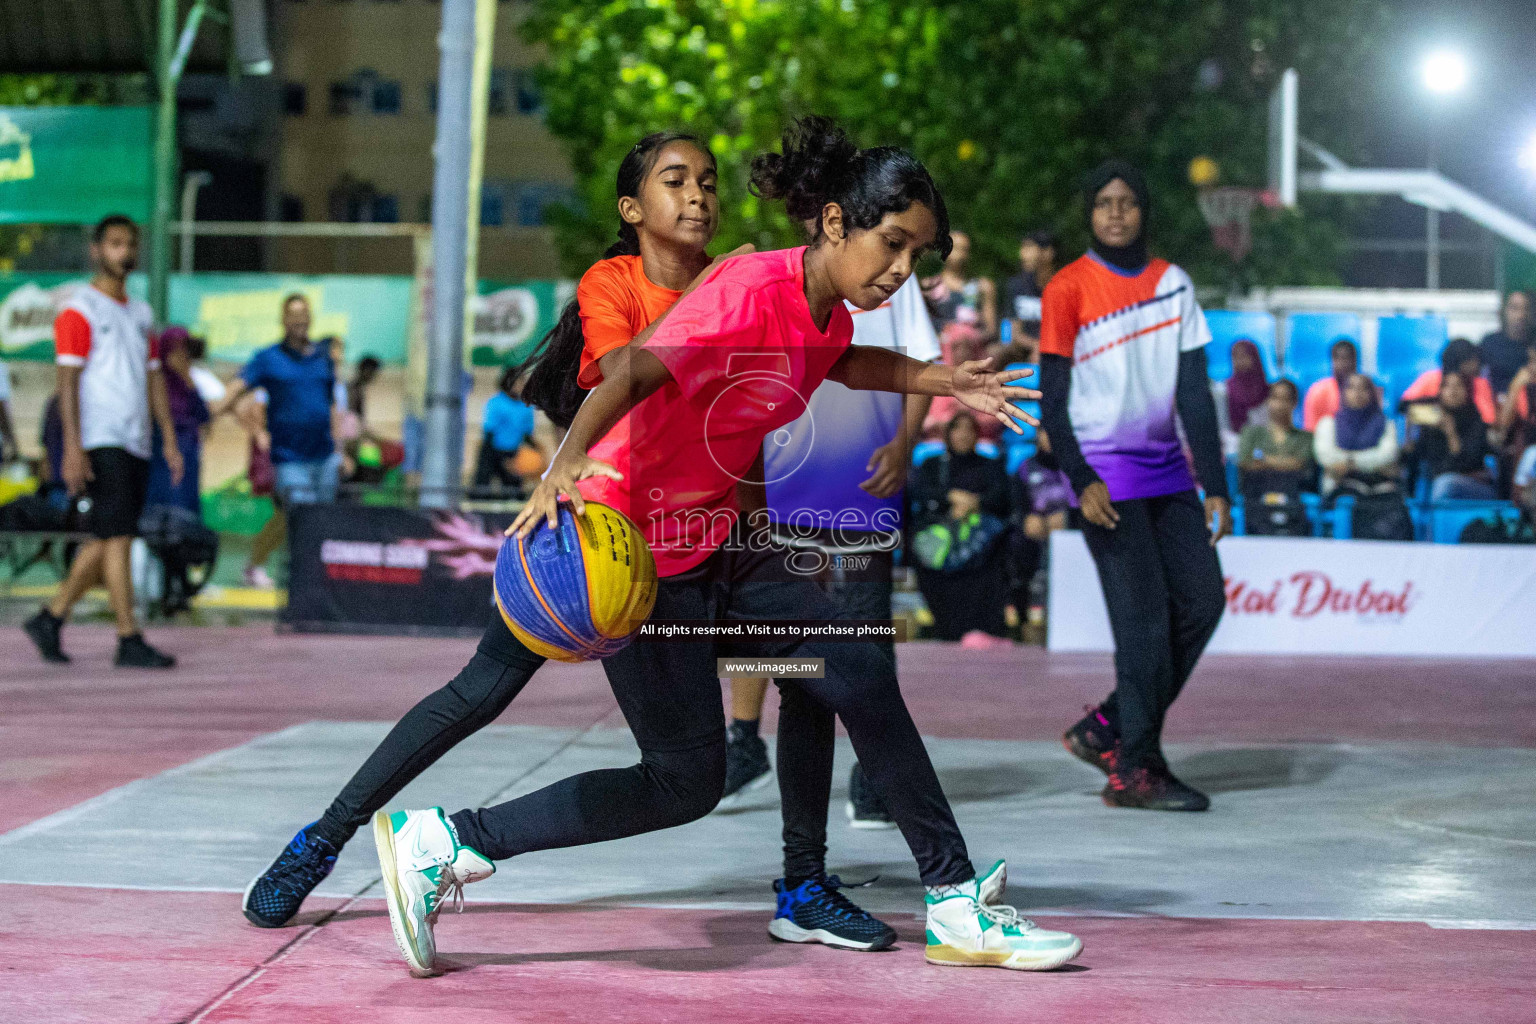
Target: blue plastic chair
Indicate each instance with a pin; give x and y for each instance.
(1308, 338)
(1228, 326)
(1010, 439)
(1019, 454)
(1342, 517)
(1448, 518)
(1406, 346)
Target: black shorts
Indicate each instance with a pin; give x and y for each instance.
(119, 484)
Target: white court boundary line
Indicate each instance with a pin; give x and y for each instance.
(117, 793)
(311, 930)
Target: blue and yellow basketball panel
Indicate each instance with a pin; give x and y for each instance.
(578, 592)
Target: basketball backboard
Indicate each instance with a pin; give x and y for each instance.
(1283, 138)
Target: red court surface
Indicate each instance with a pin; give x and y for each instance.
(84, 954)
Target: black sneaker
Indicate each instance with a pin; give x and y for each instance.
(865, 809)
(1154, 788)
(44, 629)
(274, 896)
(133, 652)
(1092, 740)
(746, 766)
(815, 911)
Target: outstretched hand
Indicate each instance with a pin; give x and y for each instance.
(544, 502)
(993, 394)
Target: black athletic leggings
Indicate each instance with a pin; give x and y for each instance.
(1163, 587)
(670, 696)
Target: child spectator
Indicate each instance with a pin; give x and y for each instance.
(189, 414)
(1323, 397)
(508, 426)
(1021, 296)
(1453, 446)
(957, 498)
(1357, 446)
(1460, 357)
(1275, 464)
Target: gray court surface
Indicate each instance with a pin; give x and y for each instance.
(1437, 834)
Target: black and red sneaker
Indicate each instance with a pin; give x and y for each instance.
(1154, 788)
(1093, 740)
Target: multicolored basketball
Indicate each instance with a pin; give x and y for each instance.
(579, 592)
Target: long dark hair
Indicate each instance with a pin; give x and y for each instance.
(821, 165)
(551, 368)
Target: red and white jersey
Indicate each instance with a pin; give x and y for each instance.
(113, 343)
(1124, 333)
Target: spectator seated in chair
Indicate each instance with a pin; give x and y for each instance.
(1275, 464)
(1325, 396)
(1452, 444)
(959, 517)
(1357, 447)
(1460, 357)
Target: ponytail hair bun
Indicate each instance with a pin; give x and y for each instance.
(820, 165)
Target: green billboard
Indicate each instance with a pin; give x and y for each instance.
(240, 313)
(75, 165)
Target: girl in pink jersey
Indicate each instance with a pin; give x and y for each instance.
(676, 421)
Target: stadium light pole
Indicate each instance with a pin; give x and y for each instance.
(462, 98)
(1444, 74)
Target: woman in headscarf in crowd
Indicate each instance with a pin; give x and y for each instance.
(962, 497)
(1247, 388)
(1357, 446)
(189, 414)
(1454, 448)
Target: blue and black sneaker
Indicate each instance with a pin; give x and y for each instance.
(815, 911)
(274, 896)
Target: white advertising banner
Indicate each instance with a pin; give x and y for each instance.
(1306, 596)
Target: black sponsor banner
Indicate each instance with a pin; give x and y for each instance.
(358, 568)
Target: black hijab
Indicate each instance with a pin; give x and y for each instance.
(1133, 257)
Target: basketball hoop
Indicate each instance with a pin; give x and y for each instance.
(1229, 212)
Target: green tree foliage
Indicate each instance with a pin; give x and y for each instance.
(1008, 102)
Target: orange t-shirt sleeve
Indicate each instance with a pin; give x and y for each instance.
(1058, 319)
(1321, 401)
(71, 338)
(1482, 397)
(1427, 386)
(601, 300)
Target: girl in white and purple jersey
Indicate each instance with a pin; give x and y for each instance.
(1122, 345)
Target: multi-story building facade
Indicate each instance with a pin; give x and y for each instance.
(358, 82)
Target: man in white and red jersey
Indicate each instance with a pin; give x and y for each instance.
(110, 386)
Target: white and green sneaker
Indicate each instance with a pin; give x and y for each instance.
(992, 884)
(966, 931)
(421, 860)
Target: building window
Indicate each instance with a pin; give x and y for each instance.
(290, 209)
(386, 97)
(365, 91)
(386, 210)
(346, 98)
(530, 99)
(295, 98)
(499, 100)
(532, 199)
(490, 207)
